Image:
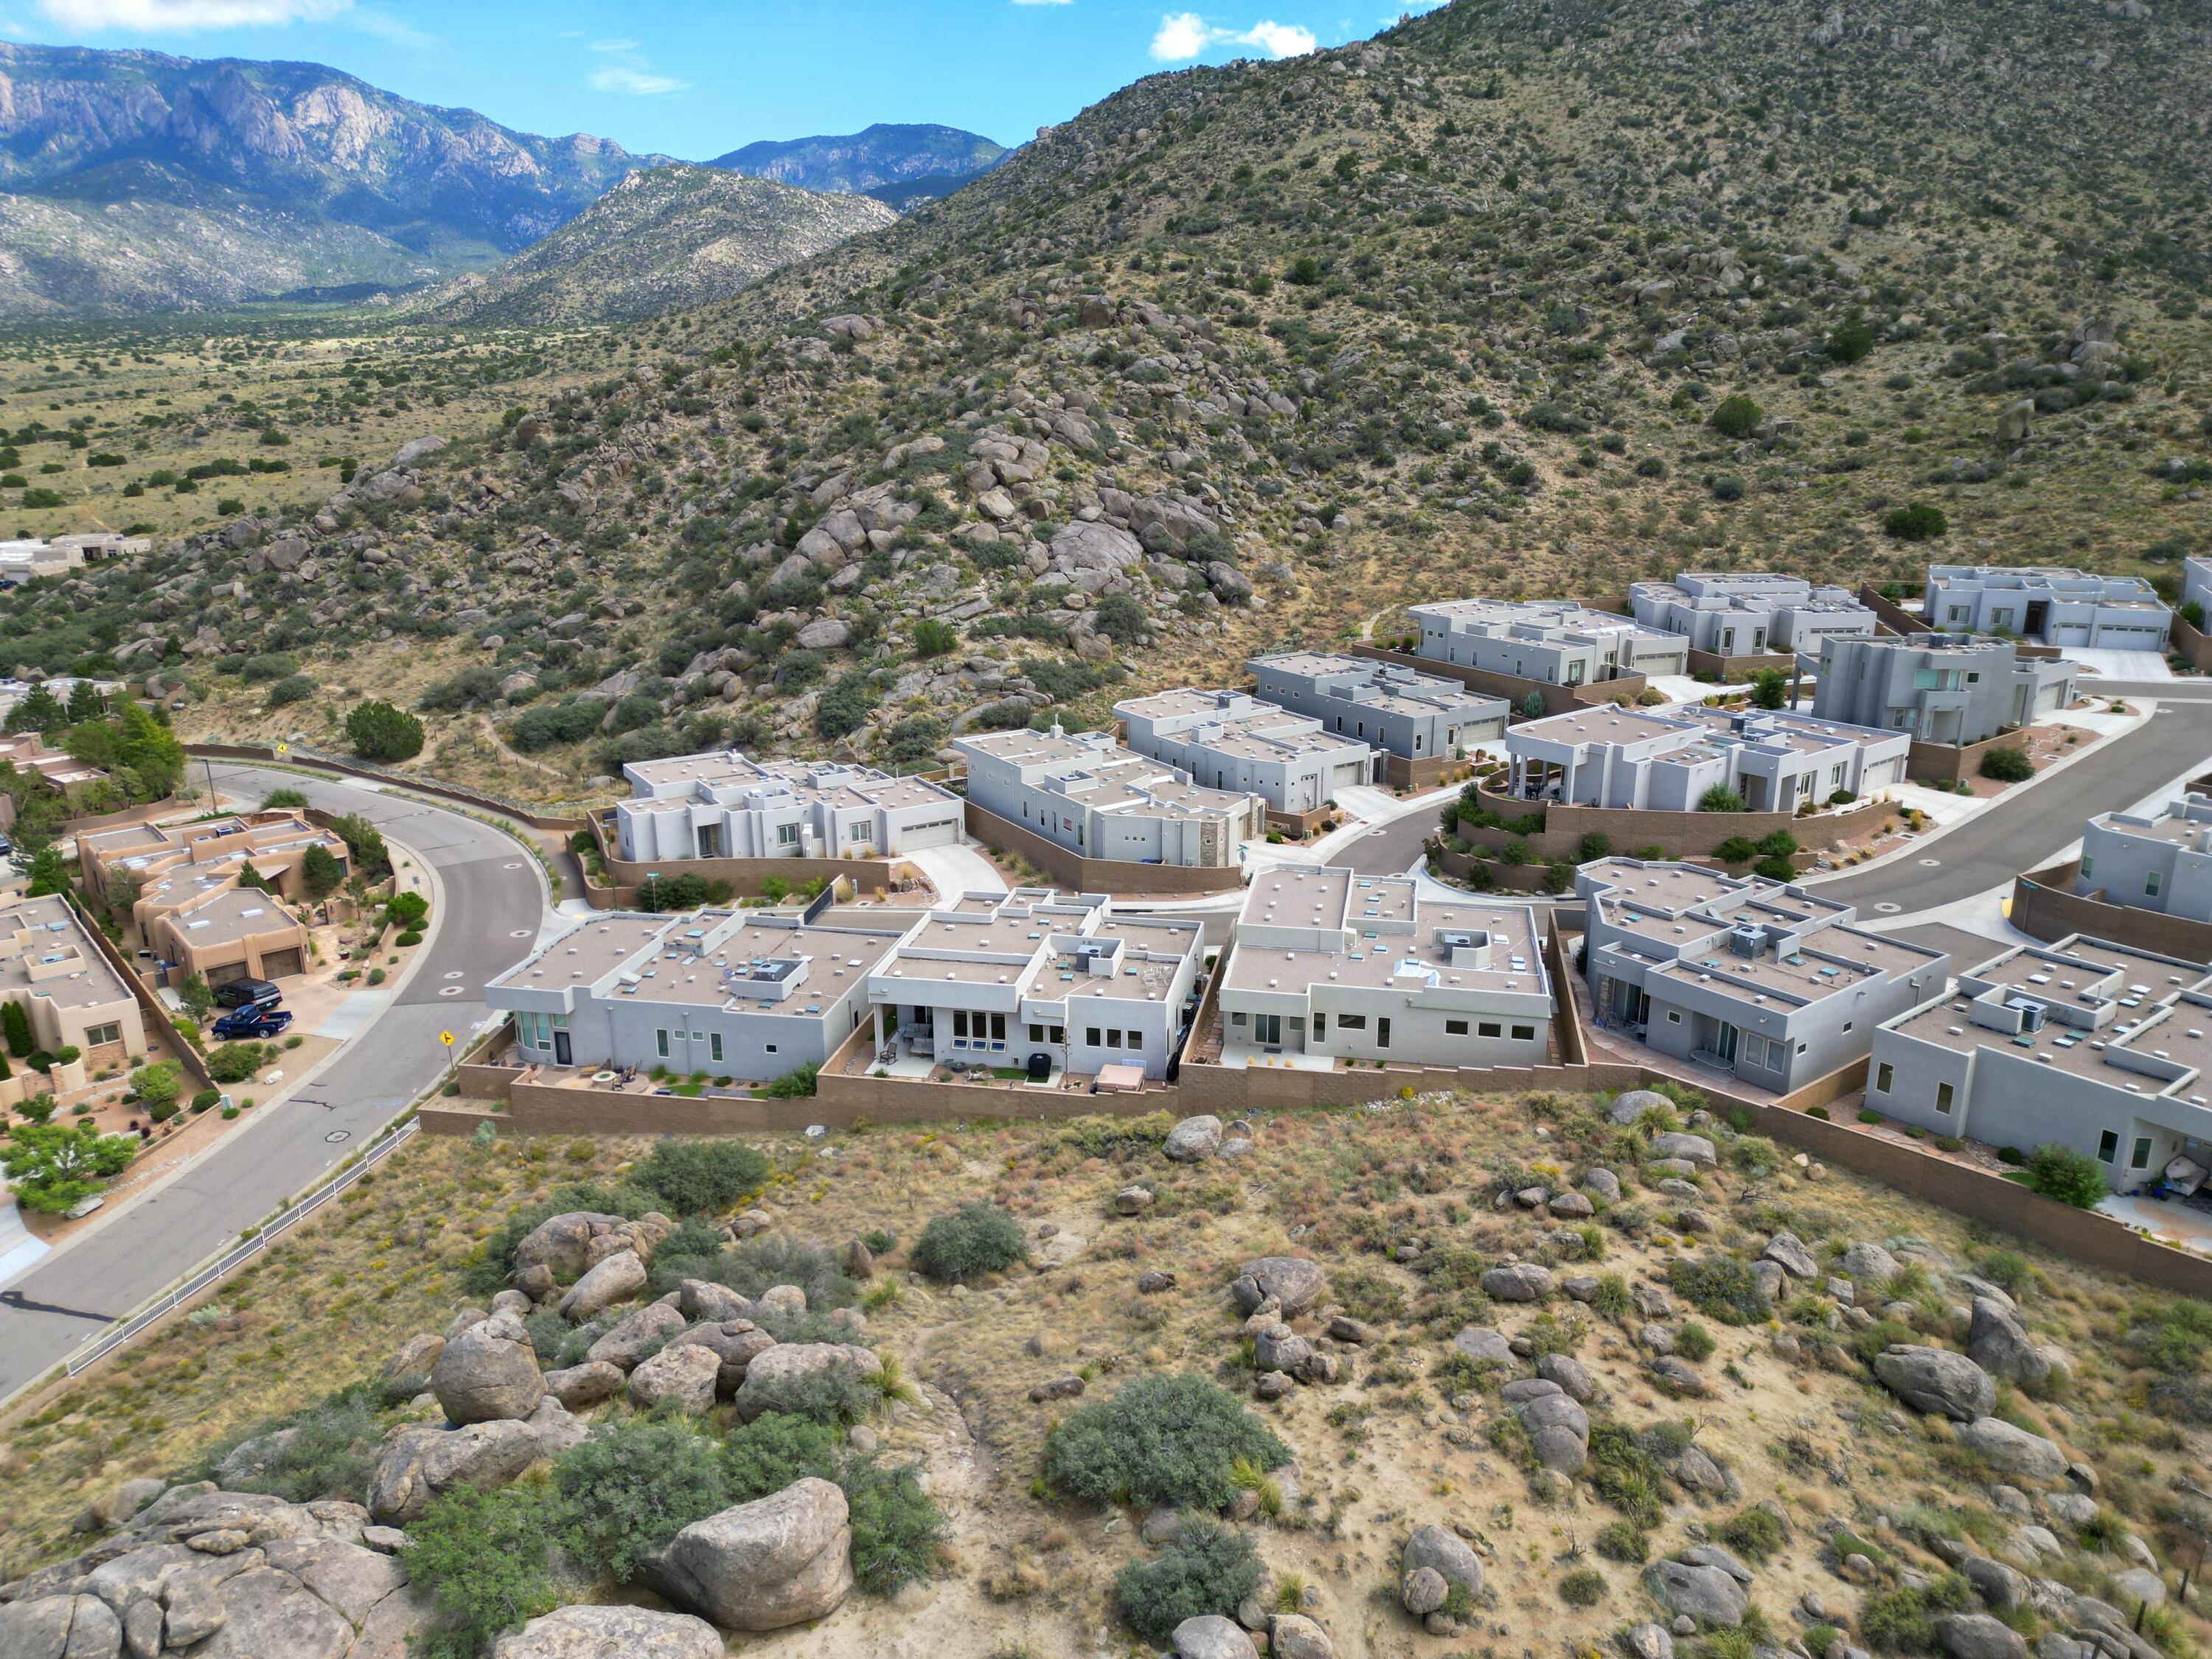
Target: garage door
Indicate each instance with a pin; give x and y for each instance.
(278, 964)
(226, 972)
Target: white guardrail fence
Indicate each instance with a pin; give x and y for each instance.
(194, 1284)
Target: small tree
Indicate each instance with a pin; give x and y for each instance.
(1532, 706)
(281, 797)
(1850, 341)
(2069, 1176)
(56, 1167)
(380, 731)
(1735, 418)
(932, 638)
(701, 1176)
(16, 1025)
(1770, 689)
(1121, 617)
(249, 877)
(321, 873)
(50, 873)
(158, 1087)
(1915, 522)
(198, 999)
(364, 847)
(1594, 845)
(976, 1239)
(1737, 849)
(406, 910)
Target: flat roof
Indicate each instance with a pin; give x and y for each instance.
(1670, 888)
(229, 913)
(837, 784)
(1402, 687)
(1549, 616)
(1376, 962)
(53, 928)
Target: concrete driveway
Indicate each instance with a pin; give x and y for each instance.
(490, 895)
(956, 870)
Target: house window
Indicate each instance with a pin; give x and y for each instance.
(2141, 1159)
(1383, 1031)
(1037, 1032)
(1234, 1019)
(1524, 1034)
(1490, 1028)
(1944, 1095)
(1754, 1049)
(1113, 1036)
(1455, 1028)
(715, 1046)
(2150, 884)
(960, 1022)
(998, 1028)
(1092, 1035)
(1674, 1017)
(96, 1035)
(767, 1047)
(1136, 1039)
(786, 835)
(1352, 1022)
(1320, 1028)
(1849, 1023)
(2108, 1146)
(660, 1044)
(2088, 863)
(1059, 1034)
(1883, 1075)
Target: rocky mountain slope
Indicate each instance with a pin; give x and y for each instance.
(898, 163)
(662, 239)
(1521, 297)
(1563, 1375)
(143, 181)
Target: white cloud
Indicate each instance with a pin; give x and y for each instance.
(1184, 36)
(614, 45)
(167, 16)
(620, 77)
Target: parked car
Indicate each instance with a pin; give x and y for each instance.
(252, 1024)
(248, 993)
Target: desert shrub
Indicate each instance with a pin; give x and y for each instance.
(1915, 522)
(1903, 1621)
(897, 1530)
(486, 1272)
(329, 1451)
(1693, 1341)
(1096, 1135)
(1209, 1569)
(234, 1062)
(1719, 1286)
(797, 1084)
(633, 1486)
(1756, 1534)
(752, 1265)
(2007, 764)
(380, 731)
(1583, 1588)
(2007, 1269)
(1734, 418)
(975, 1239)
(1624, 1540)
(483, 1557)
(2068, 1175)
(2171, 1336)
(1613, 1300)
(702, 1177)
(1160, 1440)
(765, 1455)
(1625, 1474)
(1720, 798)
(1369, 1296)
(835, 1394)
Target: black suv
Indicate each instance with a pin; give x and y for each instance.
(248, 993)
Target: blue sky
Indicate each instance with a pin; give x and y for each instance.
(697, 80)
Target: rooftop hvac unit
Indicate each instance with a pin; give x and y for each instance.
(2031, 1014)
(1746, 941)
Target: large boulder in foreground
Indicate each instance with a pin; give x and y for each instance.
(774, 1376)
(1936, 1381)
(2015, 1451)
(417, 1464)
(1709, 1595)
(586, 1633)
(1446, 1554)
(487, 1372)
(612, 1282)
(760, 1566)
(1294, 1285)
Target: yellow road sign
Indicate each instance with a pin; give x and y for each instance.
(283, 748)
(446, 1037)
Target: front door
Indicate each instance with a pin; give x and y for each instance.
(1724, 1041)
(564, 1054)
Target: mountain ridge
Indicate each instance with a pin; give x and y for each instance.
(898, 162)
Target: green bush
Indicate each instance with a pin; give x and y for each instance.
(380, 731)
(798, 1084)
(1850, 341)
(1160, 1440)
(767, 1455)
(897, 1530)
(328, 1451)
(751, 1267)
(2007, 764)
(1583, 1588)
(1625, 1541)
(702, 1177)
(835, 1394)
(1916, 522)
(1903, 1621)
(1756, 1534)
(1737, 849)
(1694, 1342)
(411, 937)
(1721, 799)
(1208, 1569)
(234, 1062)
(1734, 417)
(484, 1559)
(2069, 1176)
(1718, 1285)
(975, 1239)
(633, 1486)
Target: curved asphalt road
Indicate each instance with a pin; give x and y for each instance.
(492, 903)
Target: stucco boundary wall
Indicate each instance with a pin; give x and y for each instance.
(1944, 763)
(2191, 641)
(1678, 835)
(1892, 616)
(1513, 688)
(1735, 669)
(2045, 906)
(1071, 870)
(169, 806)
(1302, 823)
(746, 876)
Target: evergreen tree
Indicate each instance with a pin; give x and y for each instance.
(15, 1026)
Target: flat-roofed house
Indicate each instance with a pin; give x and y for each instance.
(1555, 640)
(1743, 977)
(1329, 965)
(745, 994)
(1085, 792)
(1776, 760)
(721, 805)
(1744, 613)
(1954, 689)
(1413, 715)
(2086, 1043)
(74, 995)
(2161, 861)
(1037, 982)
(1231, 740)
(2048, 604)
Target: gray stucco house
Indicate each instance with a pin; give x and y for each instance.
(2048, 604)
(1941, 687)
(2086, 1043)
(1749, 978)
(2161, 863)
(1742, 613)
(1232, 741)
(1413, 715)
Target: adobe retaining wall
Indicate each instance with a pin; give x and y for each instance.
(1944, 763)
(1678, 835)
(2045, 906)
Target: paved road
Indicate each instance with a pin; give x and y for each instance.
(494, 899)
